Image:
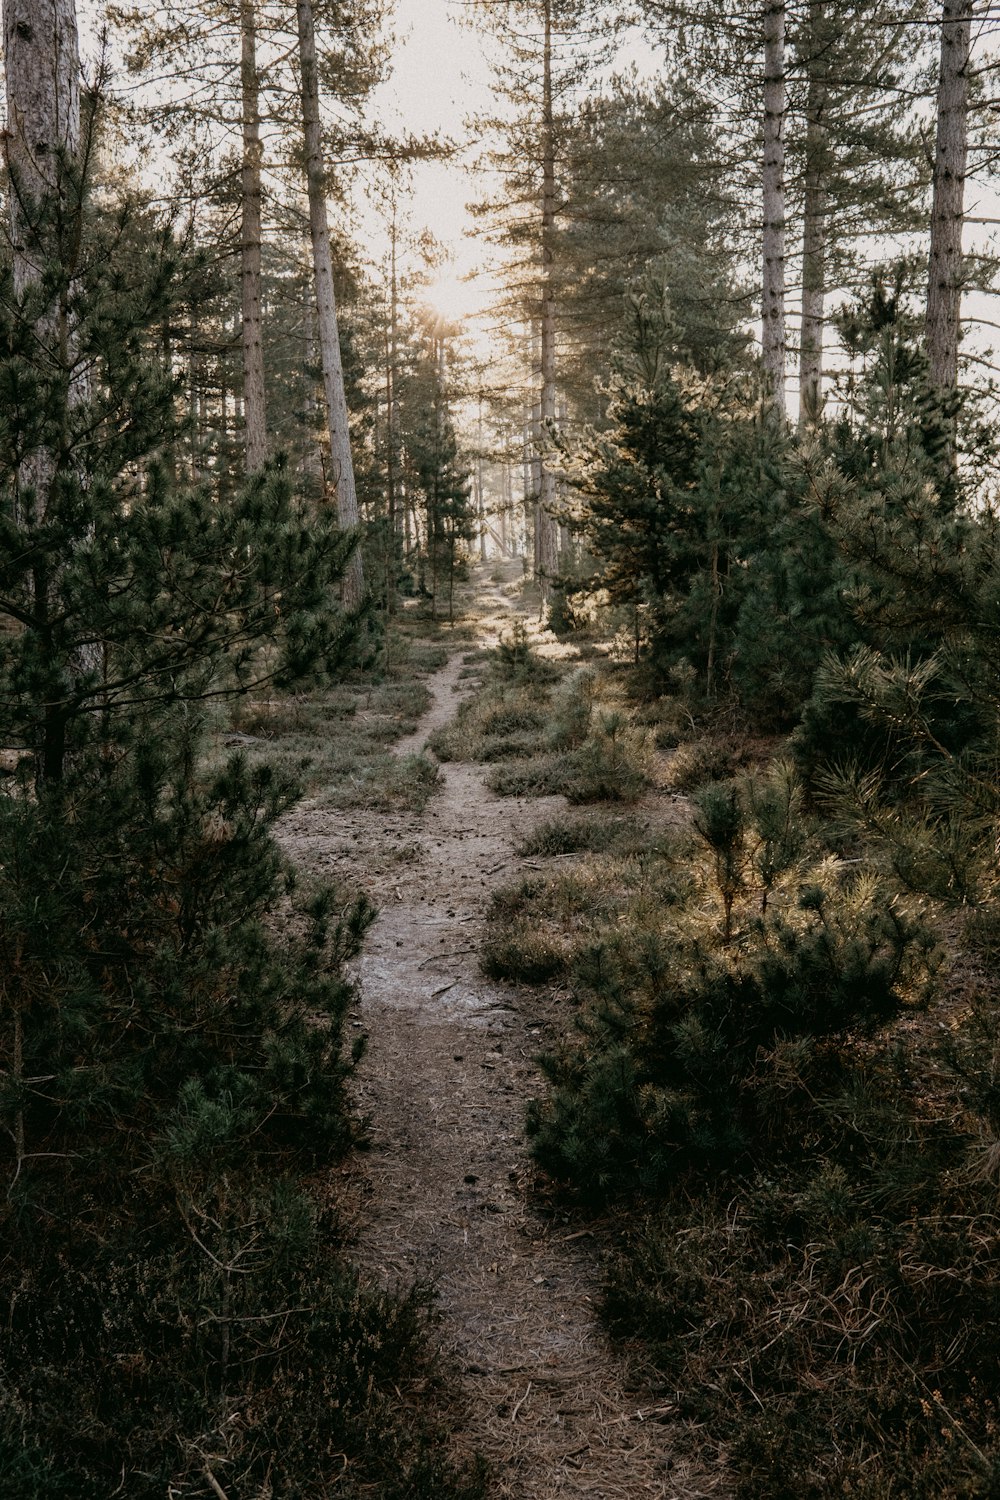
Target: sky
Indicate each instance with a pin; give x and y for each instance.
(440, 73)
(440, 69)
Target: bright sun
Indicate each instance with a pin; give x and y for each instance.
(451, 297)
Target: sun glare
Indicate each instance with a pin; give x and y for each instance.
(452, 298)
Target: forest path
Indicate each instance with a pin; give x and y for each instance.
(441, 1194)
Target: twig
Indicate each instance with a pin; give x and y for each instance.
(517, 1408)
(444, 989)
(216, 1486)
(436, 957)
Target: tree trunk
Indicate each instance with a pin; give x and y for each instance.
(944, 284)
(814, 231)
(392, 408)
(480, 497)
(537, 477)
(312, 455)
(41, 142)
(42, 62)
(548, 537)
(773, 300)
(341, 464)
(254, 399)
(508, 530)
(530, 505)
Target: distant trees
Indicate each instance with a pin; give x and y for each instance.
(198, 116)
(549, 47)
(439, 475)
(646, 189)
(815, 103)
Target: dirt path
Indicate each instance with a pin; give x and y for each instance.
(441, 1194)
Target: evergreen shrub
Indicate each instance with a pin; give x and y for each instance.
(682, 1062)
(173, 1041)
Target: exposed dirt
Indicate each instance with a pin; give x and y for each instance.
(444, 1192)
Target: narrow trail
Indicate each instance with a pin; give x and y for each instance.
(441, 1194)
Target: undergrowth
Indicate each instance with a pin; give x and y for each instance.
(179, 1308)
(562, 923)
(337, 742)
(548, 729)
(803, 1179)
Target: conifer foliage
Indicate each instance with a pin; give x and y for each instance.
(172, 1000)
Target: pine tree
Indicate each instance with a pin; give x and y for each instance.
(550, 46)
(838, 133)
(646, 190)
(945, 274)
(438, 473)
(169, 1059)
(773, 201)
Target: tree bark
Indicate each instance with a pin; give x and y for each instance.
(392, 406)
(530, 505)
(944, 283)
(773, 299)
(548, 535)
(814, 229)
(254, 397)
(312, 452)
(42, 60)
(341, 463)
(480, 498)
(41, 143)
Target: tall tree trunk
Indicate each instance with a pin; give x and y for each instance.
(563, 532)
(507, 503)
(312, 454)
(814, 230)
(547, 549)
(480, 497)
(42, 153)
(254, 399)
(341, 463)
(773, 300)
(944, 284)
(42, 139)
(392, 407)
(528, 489)
(537, 479)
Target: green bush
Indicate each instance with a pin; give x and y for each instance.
(825, 1319)
(691, 1071)
(578, 835)
(517, 661)
(697, 762)
(502, 713)
(238, 1344)
(593, 772)
(522, 957)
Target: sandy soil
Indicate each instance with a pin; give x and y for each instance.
(443, 1194)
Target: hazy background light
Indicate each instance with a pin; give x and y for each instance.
(440, 73)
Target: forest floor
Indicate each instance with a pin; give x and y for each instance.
(446, 1193)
